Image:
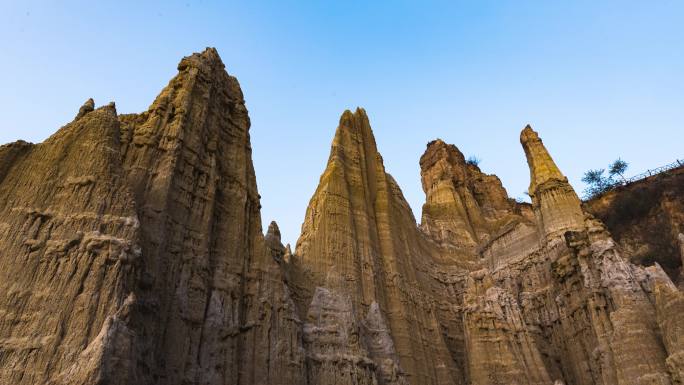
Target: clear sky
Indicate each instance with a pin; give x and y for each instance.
(596, 79)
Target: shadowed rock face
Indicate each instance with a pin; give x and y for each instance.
(70, 241)
(647, 219)
(133, 253)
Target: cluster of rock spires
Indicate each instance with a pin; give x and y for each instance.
(132, 253)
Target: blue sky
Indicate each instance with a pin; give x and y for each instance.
(597, 79)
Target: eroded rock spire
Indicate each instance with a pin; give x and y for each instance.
(359, 228)
(542, 166)
(87, 107)
(463, 204)
(273, 231)
(146, 261)
(555, 202)
(350, 185)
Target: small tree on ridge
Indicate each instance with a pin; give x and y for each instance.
(618, 167)
(596, 182)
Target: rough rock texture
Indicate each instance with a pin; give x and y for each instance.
(69, 236)
(670, 307)
(646, 218)
(491, 310)
(539, 293)
(132, 253)
(464, 206)
(359, 225)
(469, 211)
(332, 338)
(555, 203)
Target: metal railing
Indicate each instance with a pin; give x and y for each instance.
(649, 173)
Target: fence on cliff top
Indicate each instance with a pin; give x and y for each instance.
(648, 173)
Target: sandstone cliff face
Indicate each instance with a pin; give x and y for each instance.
(188, 162)
(464, 206)
(494, 325)
(70, 248)
(548, 298)
(132, 248)
(579, 301)
(469, 211)
(132, 253)
(359, 227)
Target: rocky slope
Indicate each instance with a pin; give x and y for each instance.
(133, 253)
(647, 219)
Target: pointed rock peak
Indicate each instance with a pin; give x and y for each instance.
(346, 118)
(198, 99)
(111, 107)
(356, 119)
(435, 143)
(89, 104)
(355, 152)
(210, 53)
(438, 151)
(438, 145)
(273, 231)
(287, 257)
(528, 135)
(87, 107)
(556, 204)
(354, 132)
(205, 61)
(542, 166)
(272, 240)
